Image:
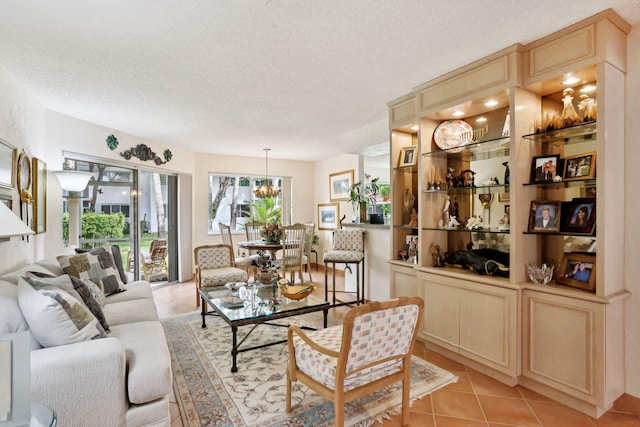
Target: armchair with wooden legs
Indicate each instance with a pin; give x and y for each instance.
(370, 350)
(215, 267)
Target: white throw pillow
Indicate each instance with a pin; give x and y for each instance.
(55, 317)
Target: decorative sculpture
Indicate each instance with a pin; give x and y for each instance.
(112, 142)
(144, 153)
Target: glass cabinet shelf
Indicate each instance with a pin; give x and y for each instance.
(406, 168)
(587, 182)
(490, 230)
(477, 188)
(498, 147)
(573, 133)
(408, 227)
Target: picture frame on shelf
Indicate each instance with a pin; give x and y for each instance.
(544, 216)
(578, 270)
(580, 166)
(328, 216)
(340, 184)
(545, 168)
(408, 156)
(588, 190)
(8, 158)
(579, 216)
(39, 171)
(411, 248)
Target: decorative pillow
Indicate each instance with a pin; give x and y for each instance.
(117, 258)
(96, 292)
(97, 266)
(55, 317)
(78, 289)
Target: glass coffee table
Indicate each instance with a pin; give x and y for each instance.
(254, 306)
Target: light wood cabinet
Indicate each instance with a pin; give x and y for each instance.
(562, 341)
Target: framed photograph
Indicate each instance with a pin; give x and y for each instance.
(8, 158)
(581, 166)
(503, 197)
(408, 156)
(328, 216)
(339, 185)
(39, 172)
(411, 248)
(544, 216)
(545, 168)
(578, 271)
(579, 216)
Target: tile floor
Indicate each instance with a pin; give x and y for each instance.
(475, 400)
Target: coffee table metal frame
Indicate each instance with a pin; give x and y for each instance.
(286, 308)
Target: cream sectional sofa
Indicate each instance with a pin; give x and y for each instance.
(120, 379)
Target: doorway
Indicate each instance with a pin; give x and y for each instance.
(134, 209)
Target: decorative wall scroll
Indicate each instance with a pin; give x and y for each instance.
(144, 153)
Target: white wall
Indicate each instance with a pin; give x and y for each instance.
(21, 125)
(632, 207)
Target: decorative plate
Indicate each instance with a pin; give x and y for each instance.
(453, 134)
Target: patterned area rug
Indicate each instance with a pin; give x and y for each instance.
(208, 394)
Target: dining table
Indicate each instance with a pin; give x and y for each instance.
(262, 245)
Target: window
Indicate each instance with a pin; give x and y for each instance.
(232, 201)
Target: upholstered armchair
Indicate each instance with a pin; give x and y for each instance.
(370, 350)
(215, 267)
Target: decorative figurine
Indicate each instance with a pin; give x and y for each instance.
(414, 218)
(445, 211)
(438, 260)
(506, 172)
(569, 115)
(450, 177)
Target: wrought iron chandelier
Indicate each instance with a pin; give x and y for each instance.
(266, 189)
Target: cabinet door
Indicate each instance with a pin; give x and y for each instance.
(563, 343)
(489, 326)
(441, 320)
(404, 282)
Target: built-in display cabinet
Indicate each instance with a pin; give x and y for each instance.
(500, 144)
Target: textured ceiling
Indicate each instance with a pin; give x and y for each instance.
(235, 76)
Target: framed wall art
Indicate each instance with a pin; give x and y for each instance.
(39, 171)
(24, 178)
(340, 185)
(8, 155)
(544, 216)
(328, 216)
(580, 166)
(408, 156)
(578, 271)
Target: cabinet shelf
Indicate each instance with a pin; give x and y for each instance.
(491, 148)
(560, 234)
(574, 133)
(490, 230)
(406, 169)
(407, 227)
(465, 190)
(572, 183)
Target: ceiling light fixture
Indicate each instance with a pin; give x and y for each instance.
(457, 113)
(570, 80)
(415, 127)
(481, 119)
(491, 103)
(266, 189)
(588, 89)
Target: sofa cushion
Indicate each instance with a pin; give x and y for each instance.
(15, 275)
(122, 312)
(97, 266)
(55, 317)
(79, 289)
(11, 318)
(117, 259)
(148, 360)
(139, 289)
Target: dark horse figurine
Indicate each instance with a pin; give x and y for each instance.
(480, 265)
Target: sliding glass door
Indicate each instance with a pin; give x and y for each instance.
(134, 209)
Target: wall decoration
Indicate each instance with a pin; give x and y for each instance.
(24, 178)
(340, 185)
(8, 157)
(408, 156)
(39, 170)
(328, 216)
(144, 153)
(112, 142)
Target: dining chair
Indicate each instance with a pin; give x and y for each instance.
(245, 263)
(253, 231)
(308, 247)
(215, 267)
(369, 351)
(292, 250)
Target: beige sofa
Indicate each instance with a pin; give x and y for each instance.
(122, 378)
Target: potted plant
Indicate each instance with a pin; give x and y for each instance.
(360, 194)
